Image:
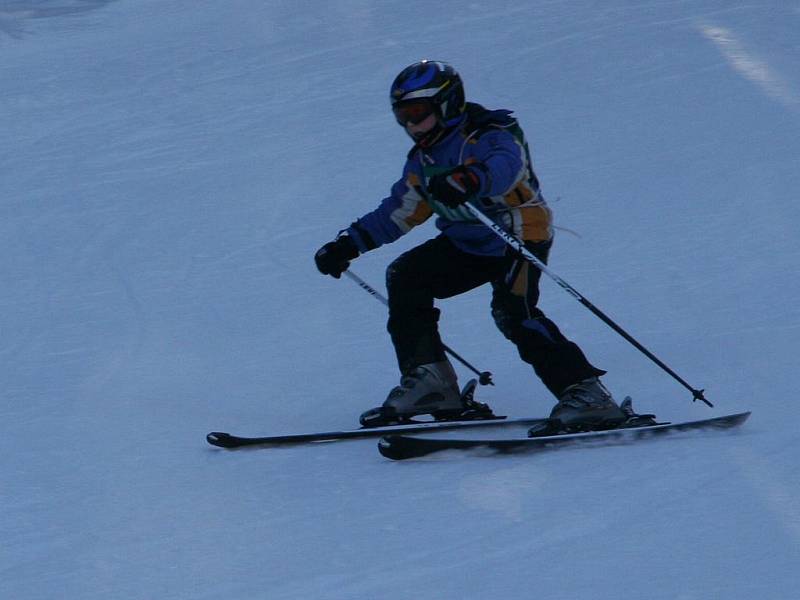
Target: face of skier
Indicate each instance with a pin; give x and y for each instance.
(418, 130)
(417, 116)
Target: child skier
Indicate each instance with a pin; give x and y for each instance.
(465, 153)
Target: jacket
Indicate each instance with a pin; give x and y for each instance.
(509, 190)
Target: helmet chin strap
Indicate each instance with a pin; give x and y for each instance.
(429, 138)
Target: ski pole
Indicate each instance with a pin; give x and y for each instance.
(519, 246)
(484, 377)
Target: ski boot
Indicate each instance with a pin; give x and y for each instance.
(584, 406)
(630, 419)
(430, 389)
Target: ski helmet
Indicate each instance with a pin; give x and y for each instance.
(424, 88)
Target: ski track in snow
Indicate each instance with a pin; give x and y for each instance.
(167, 175)
(751, 67)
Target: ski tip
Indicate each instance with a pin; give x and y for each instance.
(741, 417)
(219, 438)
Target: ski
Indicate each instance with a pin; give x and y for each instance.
(400, 447)
(227, 440)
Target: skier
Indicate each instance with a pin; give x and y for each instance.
(464, 152)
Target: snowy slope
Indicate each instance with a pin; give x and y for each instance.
(167, 170)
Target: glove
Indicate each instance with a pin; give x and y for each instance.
(456, 186)
(334, 257)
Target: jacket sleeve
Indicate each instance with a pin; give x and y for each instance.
(499, 160)
(397, 214)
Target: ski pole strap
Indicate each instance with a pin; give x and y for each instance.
(519, 246)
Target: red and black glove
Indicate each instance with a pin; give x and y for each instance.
(456, 186)
(334, 257)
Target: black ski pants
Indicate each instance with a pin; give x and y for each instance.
(437, 269)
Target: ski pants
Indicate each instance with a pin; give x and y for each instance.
(437, 269)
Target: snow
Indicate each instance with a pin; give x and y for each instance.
(169, 169)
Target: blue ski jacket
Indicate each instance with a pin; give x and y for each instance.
(509, 190)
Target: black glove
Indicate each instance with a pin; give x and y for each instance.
(456, 186)
(334, 257)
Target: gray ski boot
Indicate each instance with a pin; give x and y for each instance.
(587, 405)
(430, 389)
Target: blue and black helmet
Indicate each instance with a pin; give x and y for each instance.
(435, 82)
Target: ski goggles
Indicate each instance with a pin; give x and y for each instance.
(413, 111)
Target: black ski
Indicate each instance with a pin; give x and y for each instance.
(226, 440)
(400, 447)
